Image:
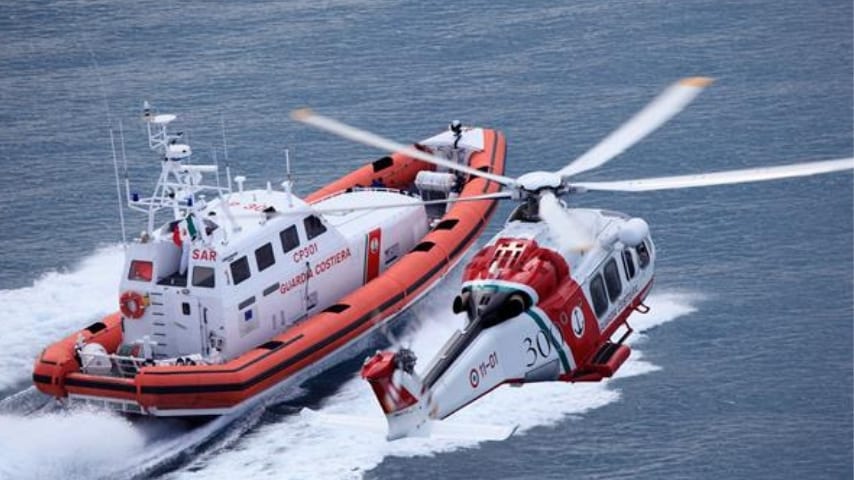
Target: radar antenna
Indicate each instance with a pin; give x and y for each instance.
(179, 183)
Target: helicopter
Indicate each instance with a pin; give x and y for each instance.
(550, 296)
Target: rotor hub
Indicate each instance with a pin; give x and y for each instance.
(535, 181)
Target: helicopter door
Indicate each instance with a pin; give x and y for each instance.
(628, 264)
(613, 280)
(605, 288)
(599, 299)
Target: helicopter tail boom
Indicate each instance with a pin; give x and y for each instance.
(400, 392)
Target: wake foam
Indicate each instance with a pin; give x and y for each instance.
(57, 304)
(89, 443)
(40, 440)
(26, 402)
(83, 444)
(304, 447)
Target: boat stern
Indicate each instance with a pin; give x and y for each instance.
(59, 360)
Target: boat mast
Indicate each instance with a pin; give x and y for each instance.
(179, 183)
(118, 188)
(288, 184)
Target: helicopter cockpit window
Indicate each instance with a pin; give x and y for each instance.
(612, 279)
(240, 270)
(203, 277)
(643, 254)
(598, 295)
(313, 226)
(629, 264)
(290, 238)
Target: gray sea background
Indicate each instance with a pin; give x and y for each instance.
(745, 373)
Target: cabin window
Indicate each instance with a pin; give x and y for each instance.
(313, 226)
(598, 295)
(264, 257)
(612, 279)
(629, 264)
(203, 277)
(643, 254)
(290, 238)
(240, 270)
(141, 271)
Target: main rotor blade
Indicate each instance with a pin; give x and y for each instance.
(655, 114)
(572, 234)
(308, 210)
(307, 116)
(444, 201)
(721, 178)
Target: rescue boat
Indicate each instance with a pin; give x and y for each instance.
(243, 293)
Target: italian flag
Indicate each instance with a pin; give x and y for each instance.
(191, 226)
(192, 230)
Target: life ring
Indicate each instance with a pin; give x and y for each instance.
(132, 304)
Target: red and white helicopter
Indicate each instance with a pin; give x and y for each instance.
(548, 298)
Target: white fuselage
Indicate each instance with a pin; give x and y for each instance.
(530, 347)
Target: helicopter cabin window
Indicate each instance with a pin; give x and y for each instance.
(612, 279)
(264, 257)
(629, 264)
(203, 277)
(598, 295)
(643, 254)
(141, 271)
(290, 238)
(240, 270)
(313, 226)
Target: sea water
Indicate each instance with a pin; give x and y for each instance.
(743, 369)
